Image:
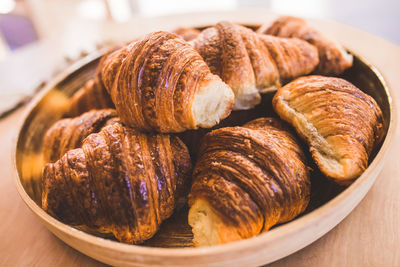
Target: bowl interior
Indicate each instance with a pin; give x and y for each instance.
(174, 232)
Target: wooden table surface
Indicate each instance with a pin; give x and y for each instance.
(369, 236)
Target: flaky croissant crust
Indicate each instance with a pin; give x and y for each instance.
(187, 34)
(121, 181)
(333, 59)
(250, 63)
(340, 123)
(253, 177)
(67, 134)
(153, 83)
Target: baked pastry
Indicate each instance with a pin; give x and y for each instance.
(338, 121)
(93, 95)
(252, 64)
(162, 84)
(246, 180)
(333, 58)
(120, 181)
(67, 134)
(187, 34)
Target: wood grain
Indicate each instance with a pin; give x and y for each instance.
(369, 236)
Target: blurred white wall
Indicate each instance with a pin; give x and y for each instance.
(377, 17)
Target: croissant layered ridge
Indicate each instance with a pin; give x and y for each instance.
(160, 83)
(340, 123)
(246, 180)
(92, 95)
(120, 181)
(187, 34)
(67, 134)
(333, 58)
(250, 63)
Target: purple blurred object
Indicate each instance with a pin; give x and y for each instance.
(17, 30)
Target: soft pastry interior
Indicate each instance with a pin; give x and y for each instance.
(205, 224)
(212, 101)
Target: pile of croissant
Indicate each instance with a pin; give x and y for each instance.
(117, 165)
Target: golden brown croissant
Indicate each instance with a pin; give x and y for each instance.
(121, 181)
(339, 122)
(246, 180)
(67, 134)
(162, 84)
(250, 63)
(93, 95)
(333, 59)
(187, 34)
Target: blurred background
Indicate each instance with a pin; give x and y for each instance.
(39, 37)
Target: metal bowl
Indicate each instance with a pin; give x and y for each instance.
(329, 203)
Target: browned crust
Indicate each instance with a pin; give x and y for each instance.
(331, 59)
(252, 175)
(121, 181)
(153, 81)
(236, 65)
(187, 34)
(243, 58)
(264, 67)
(293, 57)
(93, 95)
(67, 134)
(340, 112)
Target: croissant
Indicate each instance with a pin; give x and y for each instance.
(93, 95)
(246, 180)
(120, 181)
(67, 134)
(333, 58)
(338, 121)
(252, 64)
(162, 84)
(187, 34)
